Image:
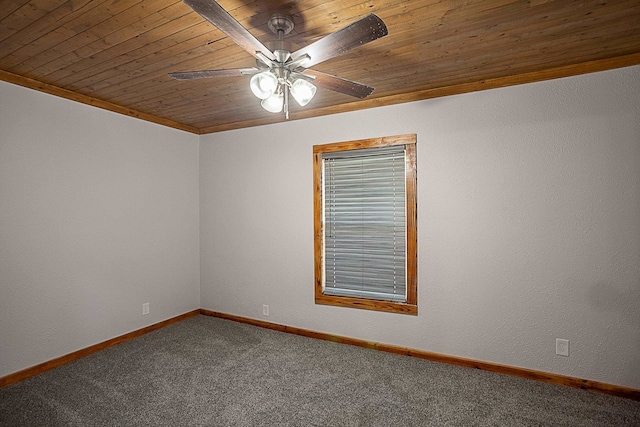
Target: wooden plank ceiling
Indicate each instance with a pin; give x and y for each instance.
(116, 54)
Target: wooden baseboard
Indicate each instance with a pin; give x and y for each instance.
(547, 377)
(62, 360)
(614, 390)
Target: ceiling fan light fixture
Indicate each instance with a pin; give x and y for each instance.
(302, 91)
(274, 103)
(264, 84)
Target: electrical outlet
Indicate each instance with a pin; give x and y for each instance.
(562, 347)
(145, 308)
(265, 310)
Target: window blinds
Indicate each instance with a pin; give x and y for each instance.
(365, 223)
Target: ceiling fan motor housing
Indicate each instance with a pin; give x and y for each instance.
(281, 49)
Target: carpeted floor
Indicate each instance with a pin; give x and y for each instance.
(206, 371)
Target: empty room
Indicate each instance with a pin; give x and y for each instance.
(328, 213)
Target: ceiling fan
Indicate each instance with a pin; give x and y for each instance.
(279, 71)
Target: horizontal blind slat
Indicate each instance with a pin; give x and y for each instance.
(364, 223)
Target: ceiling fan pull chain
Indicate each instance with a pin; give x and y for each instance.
(286, 101)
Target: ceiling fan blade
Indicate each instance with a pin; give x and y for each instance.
(205, 74)
(338, 84)
(360, 32)
(214, 13)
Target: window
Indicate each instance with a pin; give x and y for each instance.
(365, 224)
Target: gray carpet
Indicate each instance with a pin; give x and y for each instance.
(206, 371)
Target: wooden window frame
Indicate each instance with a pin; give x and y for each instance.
(411, 305)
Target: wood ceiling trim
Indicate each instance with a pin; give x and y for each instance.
(117, 54)
(63, 93)
(531, 77)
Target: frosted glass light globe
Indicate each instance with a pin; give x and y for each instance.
(274, 103)
(302, 91)
(263, 84)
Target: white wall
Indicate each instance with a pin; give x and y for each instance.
(528, 225)
(98, 215)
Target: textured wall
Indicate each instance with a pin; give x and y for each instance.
(98, 215)
(528, 204)
(528, 225)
